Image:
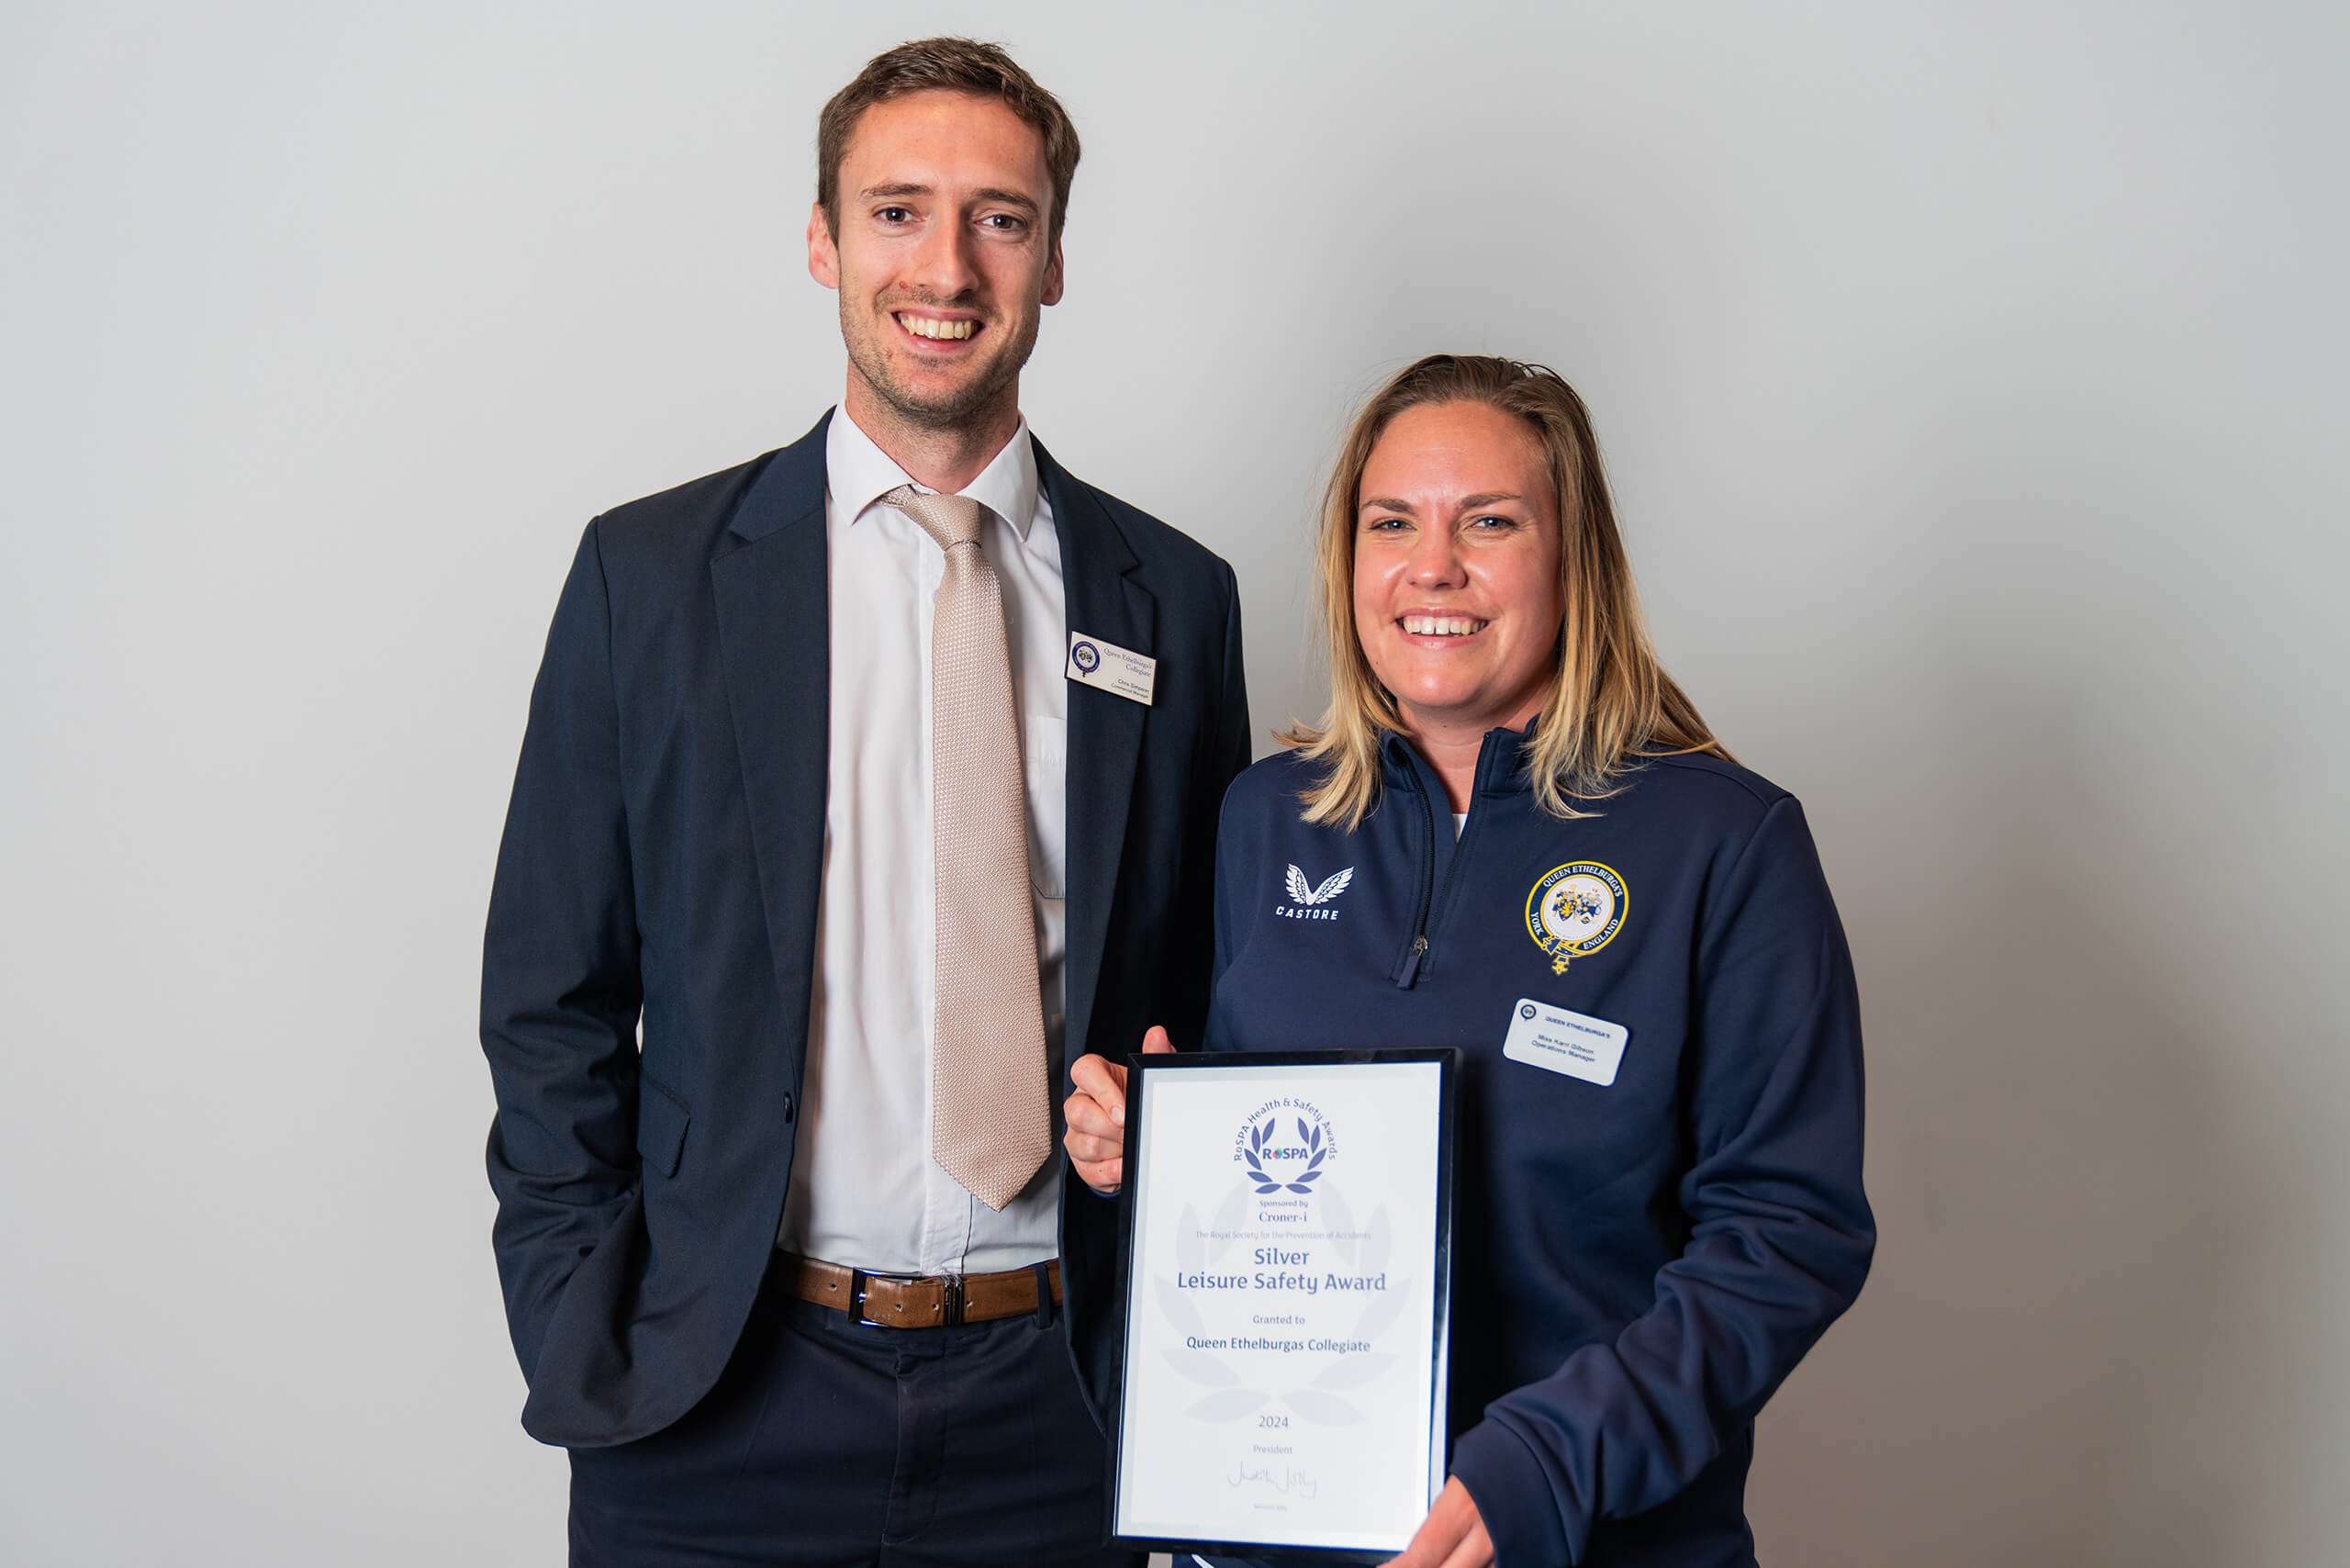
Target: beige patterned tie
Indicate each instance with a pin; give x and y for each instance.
(990, 1122)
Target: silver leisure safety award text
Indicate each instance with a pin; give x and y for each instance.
(1283, 1379)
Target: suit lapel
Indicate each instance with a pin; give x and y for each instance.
(769, 571)
(1105, 731)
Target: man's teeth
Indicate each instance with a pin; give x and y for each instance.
(1442, 625)
(929, 327)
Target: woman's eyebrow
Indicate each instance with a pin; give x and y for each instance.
(1482, 498)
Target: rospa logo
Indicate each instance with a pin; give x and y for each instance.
(1285, 1147)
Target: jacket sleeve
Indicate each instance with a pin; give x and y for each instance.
(1223, 754)
(1232, 744)
(1781, 1233)
(1228, 856)
(561, 989)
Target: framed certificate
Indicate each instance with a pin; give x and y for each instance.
(1288, 1242)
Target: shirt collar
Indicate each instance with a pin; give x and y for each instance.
(858, 474)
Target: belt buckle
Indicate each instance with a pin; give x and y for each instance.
(950, 1306)
(857, 1279)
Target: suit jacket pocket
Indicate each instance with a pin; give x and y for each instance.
(661, 1122)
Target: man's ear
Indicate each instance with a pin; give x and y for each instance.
(1052, 295)
(824, 256)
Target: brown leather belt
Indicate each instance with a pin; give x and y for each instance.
(919, 1301)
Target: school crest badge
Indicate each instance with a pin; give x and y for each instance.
(1574, 911)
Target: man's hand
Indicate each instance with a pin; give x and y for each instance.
(1452, 1535)
(1096, 1114)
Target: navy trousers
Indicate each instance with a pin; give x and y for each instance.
(832, 1444)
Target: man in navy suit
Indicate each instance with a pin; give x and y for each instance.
(768, 1323)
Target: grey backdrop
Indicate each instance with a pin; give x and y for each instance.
(1972, 379)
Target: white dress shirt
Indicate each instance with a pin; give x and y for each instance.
(864, 1190)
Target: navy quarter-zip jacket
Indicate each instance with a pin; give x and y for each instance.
(1635, 1266)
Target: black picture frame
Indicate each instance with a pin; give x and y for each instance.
(1142, 1070)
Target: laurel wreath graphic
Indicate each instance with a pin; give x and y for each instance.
(1258, 1136)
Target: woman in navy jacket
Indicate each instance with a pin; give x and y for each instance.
(1511, 817)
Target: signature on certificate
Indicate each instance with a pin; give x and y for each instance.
(1285, 1481)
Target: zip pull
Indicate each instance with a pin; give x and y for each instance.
(1412, 963)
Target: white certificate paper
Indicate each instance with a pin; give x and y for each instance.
(1284, 1356)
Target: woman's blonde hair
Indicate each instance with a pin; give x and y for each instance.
(1610, 701)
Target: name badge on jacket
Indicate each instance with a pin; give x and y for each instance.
(1094, 662)
(1572, 1042)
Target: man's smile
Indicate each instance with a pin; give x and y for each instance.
(937, 329)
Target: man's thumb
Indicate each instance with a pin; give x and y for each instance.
(1156, 1043)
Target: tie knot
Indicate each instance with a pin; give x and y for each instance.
(949, 519)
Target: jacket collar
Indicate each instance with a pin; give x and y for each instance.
(788, 491)
(1498, 761)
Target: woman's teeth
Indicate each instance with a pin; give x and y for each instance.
(927, 327)
(1442, 625)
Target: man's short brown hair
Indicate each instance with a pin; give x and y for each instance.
(954, 66)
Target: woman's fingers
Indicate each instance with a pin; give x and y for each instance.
(1089, 1146)
(1452, 1535)
(1102, 1084)
(1103, 1175)
(1095, 1113)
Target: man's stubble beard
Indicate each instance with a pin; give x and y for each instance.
(965, 409)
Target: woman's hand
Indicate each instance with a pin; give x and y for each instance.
(1096, 1115)
(1452, 1535)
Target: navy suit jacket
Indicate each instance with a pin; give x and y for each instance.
(651, 927)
